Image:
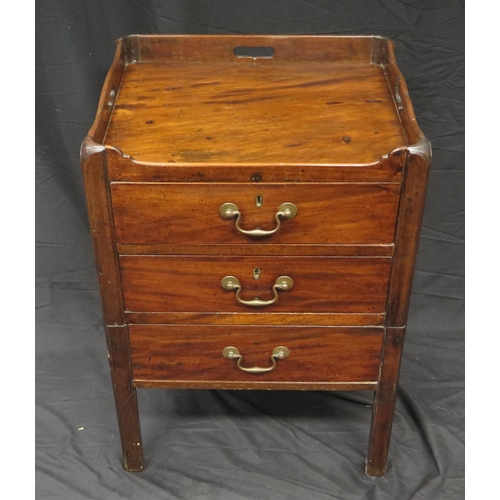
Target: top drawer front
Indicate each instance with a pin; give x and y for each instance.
(175, 213)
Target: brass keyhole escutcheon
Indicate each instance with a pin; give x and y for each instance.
(259, 199)
(256, 273)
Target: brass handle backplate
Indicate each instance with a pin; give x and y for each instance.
(231, 211)
(233, 284)
(279, 352)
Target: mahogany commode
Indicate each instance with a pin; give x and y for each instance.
(255, 204)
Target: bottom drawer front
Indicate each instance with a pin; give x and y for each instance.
(195, 353)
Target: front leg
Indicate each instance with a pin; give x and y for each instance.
(384, 403)
(125, 397)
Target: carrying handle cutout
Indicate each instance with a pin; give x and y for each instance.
(254, 52)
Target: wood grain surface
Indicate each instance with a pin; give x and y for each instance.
(161, 352)
(103, 236)
(243, 111)
(385, 402)
(189, 213)
(124, 168)
(220, 48)
(407, 235)
(192, 284)
(326, 123)
(249, 318)
(107, 99)
(378, 250)
(256, 385)
(127, 410)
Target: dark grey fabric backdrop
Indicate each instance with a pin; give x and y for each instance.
(243, 445)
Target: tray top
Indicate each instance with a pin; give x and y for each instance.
(255, 111)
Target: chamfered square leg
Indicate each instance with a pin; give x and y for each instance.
(384, 403)
(125, 397)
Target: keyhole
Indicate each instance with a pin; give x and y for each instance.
(258, 200)
(256, 274)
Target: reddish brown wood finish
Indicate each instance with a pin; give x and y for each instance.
(101, 228)
(93, 159)
(408, 232)
(125, 397)
(257, 385)
(193, 284)
(384, 403)
(195, 353)
(238, 111)
(291, 319)
(95, 138)
(158, 213)
(124, 168)
(384, 250)
(193, 124)
(213, 49)
(401, 97)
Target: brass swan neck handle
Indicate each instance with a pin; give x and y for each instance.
(232, 283)
(231, 211)
(279, 352)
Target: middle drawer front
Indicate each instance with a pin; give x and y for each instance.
(193, 284)
(189, 214)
